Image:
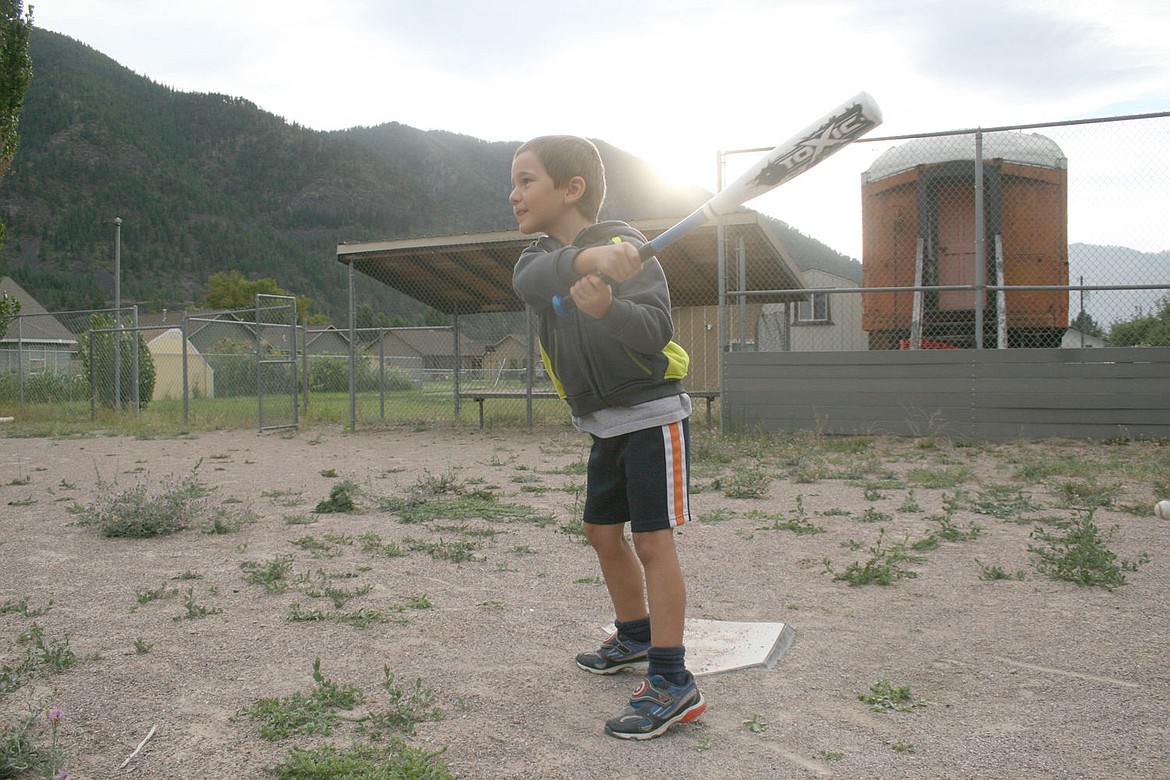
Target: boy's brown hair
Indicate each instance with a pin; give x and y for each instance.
(566, 156)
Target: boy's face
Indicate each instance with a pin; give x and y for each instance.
(539, 205)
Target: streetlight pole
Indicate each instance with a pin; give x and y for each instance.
(117, 312)
(117, 267)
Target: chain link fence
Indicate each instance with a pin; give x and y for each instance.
(1037, 236)
(1041, 236)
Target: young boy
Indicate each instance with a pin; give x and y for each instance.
(612, 359)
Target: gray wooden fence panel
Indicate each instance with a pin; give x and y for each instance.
(993, 395)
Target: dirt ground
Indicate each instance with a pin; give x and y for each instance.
(1015, 678)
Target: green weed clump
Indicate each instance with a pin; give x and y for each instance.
(22, 753)
(393, 761)
(42, 655)
(884, 696)
(341, 499)
(885, 565)
(1081, 555)
(303, 714)
(137, 512)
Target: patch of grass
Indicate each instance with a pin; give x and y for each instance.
(22, 752)
(1080, 555)
(299, 519)
(798, 522)
(317, 547)
(949, 532)
(136, 513)
(405, 708)
(755, 724)
(884, 696)
(1087, 493)
(872, 515)
(43, 655)
(302, 714)
(1004, 502)
(372, 544)
(21, 607)
(363, 617)
(884, 567)
(195, 610)
(992, 573)
(155, 594)
(393, 761)
(746, 482)
(939, 477)
(285, 498)
(341, 499)
(141, 646)
(339, 596)
(273, 575)
(442, 550)
(718, 515)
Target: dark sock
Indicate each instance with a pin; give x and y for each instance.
(637, 630)
(670, 663)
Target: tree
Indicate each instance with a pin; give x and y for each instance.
(9, 308)
(1085, 323)
(1145, 330)
(105, 348)
(232, 290)
(15, 75)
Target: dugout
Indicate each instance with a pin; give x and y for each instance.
(471, 274)
(921, 221)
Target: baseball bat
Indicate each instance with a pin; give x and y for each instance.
(829, 134)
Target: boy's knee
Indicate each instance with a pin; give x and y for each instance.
(653, 545)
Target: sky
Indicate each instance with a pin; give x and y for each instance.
(674, 82)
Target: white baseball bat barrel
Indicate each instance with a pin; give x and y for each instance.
(815, 143)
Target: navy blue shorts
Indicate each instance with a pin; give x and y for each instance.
(641, 478)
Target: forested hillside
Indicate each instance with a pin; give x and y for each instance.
(207, 183)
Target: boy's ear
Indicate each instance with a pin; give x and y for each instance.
(575, 189)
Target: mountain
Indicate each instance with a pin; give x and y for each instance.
(206, 183)
(1095, 264)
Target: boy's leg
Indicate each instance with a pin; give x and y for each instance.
(665, 587)
(629, 644)
(620, 569)
(668, 695)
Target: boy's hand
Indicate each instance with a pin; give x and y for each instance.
(617, 261)
(592, 295)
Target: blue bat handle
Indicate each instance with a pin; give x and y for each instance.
(563, 306)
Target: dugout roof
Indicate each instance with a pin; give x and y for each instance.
(472, 273)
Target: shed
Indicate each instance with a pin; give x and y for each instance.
(166, 350)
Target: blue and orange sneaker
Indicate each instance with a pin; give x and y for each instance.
(615, 654)
(656, 706)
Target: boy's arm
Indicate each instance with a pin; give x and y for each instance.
(542, 272)
(639, 316)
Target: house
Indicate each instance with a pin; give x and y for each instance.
(509, 352)
(166, 349)
(426, 349)
(35, 338)
(1076, 339)
(824, 322)
(329, 341)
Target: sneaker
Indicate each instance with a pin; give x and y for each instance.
(656, 706)
(614, 655)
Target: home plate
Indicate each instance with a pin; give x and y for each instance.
(717, 646)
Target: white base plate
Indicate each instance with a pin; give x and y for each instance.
(718, 646)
